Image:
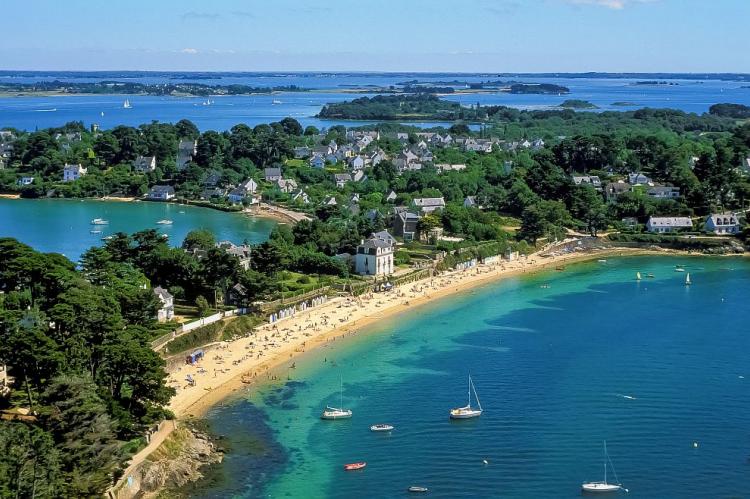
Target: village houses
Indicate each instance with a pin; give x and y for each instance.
(723, 223)
(144, 164)
(661, 225)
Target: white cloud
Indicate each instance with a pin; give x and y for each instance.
(189, 51)
(610, 4)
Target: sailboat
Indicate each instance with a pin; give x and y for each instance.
(688, 282)
(468, 411)
(126, 104)
(638, 276)
(602, 487)
(337, 412)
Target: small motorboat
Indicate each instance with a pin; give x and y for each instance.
(650, 276)
(164, 222)
(276, 102)
(354, 466)
(95, 232)
(416, 488)
(99, 221)
(381, 427)
(679, 268)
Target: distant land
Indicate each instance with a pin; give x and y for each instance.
(578, 104)
(194, 75)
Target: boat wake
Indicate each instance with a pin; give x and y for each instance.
(629, 397)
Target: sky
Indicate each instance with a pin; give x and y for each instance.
(382, 35)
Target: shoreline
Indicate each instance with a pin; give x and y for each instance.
(197, 400)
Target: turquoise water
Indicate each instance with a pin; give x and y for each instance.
(63, 226)
(554, 369)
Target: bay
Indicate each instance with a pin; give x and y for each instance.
(31, 112)
(64, 226)
(652, 367)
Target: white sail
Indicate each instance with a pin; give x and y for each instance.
(688, 282)
(637, 276)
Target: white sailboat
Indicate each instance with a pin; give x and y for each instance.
(468, 411)
(638, 276)
(688, 282)
(603, 487)
(337, 412)
(126, 104)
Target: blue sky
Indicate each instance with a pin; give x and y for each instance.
(383, 35)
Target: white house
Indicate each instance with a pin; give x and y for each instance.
(428, 205)
(593, 180)
(144, 164)
(668, 224)
(73, 172)
(25, 181)
(301, 196)
(374, 257)
(663, 192)
(391, 196)
(357, 163)
(341, 179)
(723, 223)
(166, 312)
(272, 174)
(242, 252)
(638, 179)
(161, 193)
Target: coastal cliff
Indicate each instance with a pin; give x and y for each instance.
(176, 463)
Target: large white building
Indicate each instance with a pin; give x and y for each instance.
(73, 172)
(374, 257)
(723, 223)
(668, 224)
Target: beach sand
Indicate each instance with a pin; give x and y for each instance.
(253, 358)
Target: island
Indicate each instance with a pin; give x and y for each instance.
(726, 110)
(624, 104)
(395, 107)
(538, 88)
(578, 104)
(134, 88)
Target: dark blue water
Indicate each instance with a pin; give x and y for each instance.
(40, 112)
(554, 369)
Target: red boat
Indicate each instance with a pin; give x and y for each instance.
(354, 466)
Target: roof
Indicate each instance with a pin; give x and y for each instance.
(383, 235)
(376, 243)
(272, 171)
(162, 188)
(407, 215)
(162, 293)
(723, 219)
(342, 176)
(422, 202)
(670, 222)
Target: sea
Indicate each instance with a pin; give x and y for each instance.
(64, 225)
(562, 361)
(221, 113)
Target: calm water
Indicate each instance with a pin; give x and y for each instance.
(552, 367)
(39, 112)
(63, 226)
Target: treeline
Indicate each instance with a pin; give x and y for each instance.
(135, 88)
(737, 111)
(77, 345)
(230, 156)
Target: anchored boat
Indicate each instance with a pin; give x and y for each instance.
(337, 412)
(467, 411)
(354, 466)
(604, 487)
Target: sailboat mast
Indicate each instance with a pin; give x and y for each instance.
(341, 392)
(468, 389)
(605, 461)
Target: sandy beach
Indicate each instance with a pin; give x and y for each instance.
(232, 365)
(10, 196)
